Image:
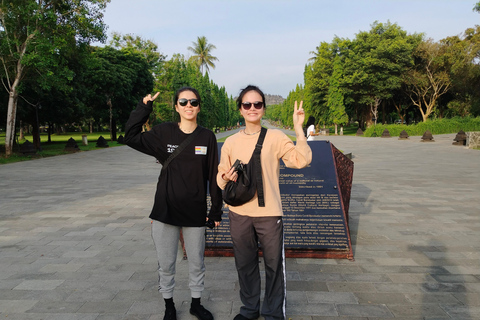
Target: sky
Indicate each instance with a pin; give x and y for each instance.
(268, 42)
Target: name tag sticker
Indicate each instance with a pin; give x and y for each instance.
(200, 150)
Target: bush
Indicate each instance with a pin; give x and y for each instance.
(439, 126)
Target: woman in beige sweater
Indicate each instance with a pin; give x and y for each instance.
(252, 226)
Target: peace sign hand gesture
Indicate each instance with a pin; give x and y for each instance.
(298, 115)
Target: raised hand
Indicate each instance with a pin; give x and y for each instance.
(149, 97)
(298, 115)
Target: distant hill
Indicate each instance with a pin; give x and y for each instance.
(273, 99)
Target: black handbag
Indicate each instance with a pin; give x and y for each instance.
(249, 179)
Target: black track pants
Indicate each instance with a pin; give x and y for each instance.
(246, 233)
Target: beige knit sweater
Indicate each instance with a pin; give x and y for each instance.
(276, 146)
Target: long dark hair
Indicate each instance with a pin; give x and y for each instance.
(248, 88)
(310, 121)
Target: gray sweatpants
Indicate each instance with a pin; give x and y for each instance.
(166, 238)
(246, 233)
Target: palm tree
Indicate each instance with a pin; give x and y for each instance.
(202, 50)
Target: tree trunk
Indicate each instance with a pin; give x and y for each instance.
(384, 121)
(113, 125)
(114, 130)
(11, 115)
(36, 136)
(36, 130)
(49, 132)
(21, 135)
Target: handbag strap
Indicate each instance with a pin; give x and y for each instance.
(258, 167)
(181, 147)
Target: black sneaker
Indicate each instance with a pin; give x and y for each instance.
(170, 314)
(200, 312)
(241, 317)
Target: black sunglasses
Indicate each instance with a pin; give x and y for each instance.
(193, 102)
(247, 105)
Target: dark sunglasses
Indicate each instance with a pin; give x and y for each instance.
(193, 102)
(247, 105)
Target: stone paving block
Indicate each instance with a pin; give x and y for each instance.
(38, 285)
(472, 287)
(337, 318)
(16, 306)
(462, 312)
(110, 276)
(462, 270)
(398, 287)
(395, 262)
(146, 307)
(470, 299)
(109, 316)
(444, 287)
(70, 267)
(419, 311)
(432, 298)
(376, 311)
(138, 295)
(130, 284)
(332, 297)
(293, 297)
(351, 287)
(411, 278)
(342, 269)
(50, 316)
(92, 294)
(220, 295)
(56, 307)
(381, 298)
(313, 309)
(8, 284)
(306, 286)
(367, 277)
(106, 306)
(321, 276)
(81, 254)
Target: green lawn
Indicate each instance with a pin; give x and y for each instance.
(56, 147)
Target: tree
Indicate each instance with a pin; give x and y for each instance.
(147, 48)
(202, 50)
(477, 7)
(119, 78)
(317, 75)
(461, 57)
(31, 35)
(375, 63)
(336, 107)
(429, 79)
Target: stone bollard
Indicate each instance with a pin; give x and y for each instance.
(84, 140)
(386, 134)
(71, 146)
(403, 135)
(460, 139)
(121, 140)
(427, 137)
(27, 148)
(101, 142)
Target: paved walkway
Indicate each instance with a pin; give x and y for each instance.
(75, 239)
